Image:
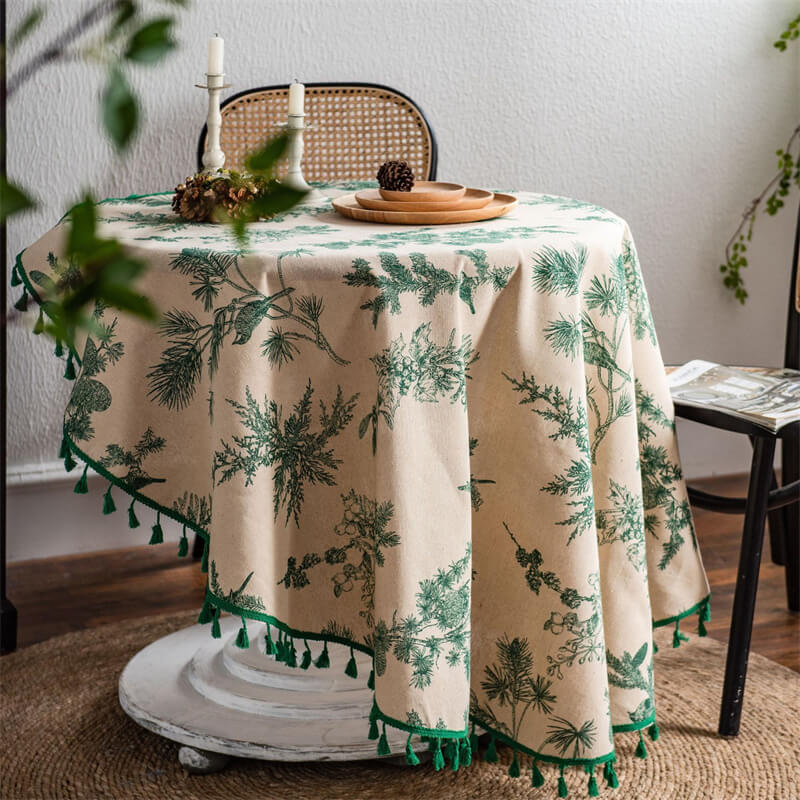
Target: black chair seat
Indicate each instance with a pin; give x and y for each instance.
(717, 418)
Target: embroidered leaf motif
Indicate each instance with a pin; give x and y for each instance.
(236, 597)
(117, 456)
(633, 672)
(564, 735)
(624, 522)
(297, 454)
(194, 507)
(558, 270)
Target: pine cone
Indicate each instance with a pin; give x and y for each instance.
(396, 176)
(199, 196)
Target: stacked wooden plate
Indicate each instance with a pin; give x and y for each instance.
(428, 203)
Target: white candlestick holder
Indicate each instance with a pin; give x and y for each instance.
(213, 157)
(294, 179)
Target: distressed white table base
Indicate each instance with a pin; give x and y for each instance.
(219, 701)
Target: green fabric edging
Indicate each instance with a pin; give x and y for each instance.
(678, 617)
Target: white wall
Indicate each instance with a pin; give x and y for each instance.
(666, 111)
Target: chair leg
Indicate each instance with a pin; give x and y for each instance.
(197, 547)
(777, 530)
(744, 600)
(790, 471)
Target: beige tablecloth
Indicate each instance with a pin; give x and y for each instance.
(450, 447)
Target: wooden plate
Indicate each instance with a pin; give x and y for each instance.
(500, 204)
(426, 192)
(472, 198)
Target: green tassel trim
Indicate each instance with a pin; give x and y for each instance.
(280, 648)
(513, 770)
(655, 647)
(374, 733)
(383, 744)
(216, 632)
(438, 758)
(15, 278)
(562, 785)
(455, 755)
(654, 732)
(59, 349)
(39, 326)
(641, 750)
(108, 502)
(69, 462)
(592, 784)
(157, 537)
(204, 560)
(242, 639)
(206, 614)
(269, 647)
(491, 752)
(473, 740)
(701, 628)
(69, 370)
(703, 617)
(63, 451)
(677, 636)
(412, 759)
(323, 660)
(183, 545)
(82, 486)
(537, 779)
(351, 670)
(305, 663)
(611, 777)
(133, 521)
(291, 654)
(371, 680)
(22, 303)
(465, 752)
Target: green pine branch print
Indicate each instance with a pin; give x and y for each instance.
(624, 521)
(136, 477)
(473, 483)
(633, 672)
(424, 280)
(510, 682)
(557, 271)
(564, 735)
(365, 529)
(89, 395)
(236, 597)
(661, 480)
(194, 507)
(297, 454)
(568, 416)
(639, 308)
(438, 627)
(193, 343)
(422, 368)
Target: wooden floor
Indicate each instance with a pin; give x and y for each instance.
(58, 595)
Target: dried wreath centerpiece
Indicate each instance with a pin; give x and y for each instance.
(218, 196)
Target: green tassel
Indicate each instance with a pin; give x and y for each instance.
(412, 759)
(473, 740)
(438, 758)
(242, 639)
(455, 756)
(654, 732)
(82, 486)
(63, 451)
(269, 647)
(449, 746)
(705, 612)
(204, 559)
(157, 537)
(183, 545)
(59, 349)
(291, 654)
(306, 662)
(383, 744)
(133, 521)
(592, 784)
(655, 647)
(39, 326)
(641, 750)
(371, 680)
(351, 670)
(562, 785)
(374, 733)
(323, 660)
(280, 649)
(537, 779)
(108, 502)
(69, 462)
(216, 633)
(491, 752)
(69, 370)
(206, 613)
(513, 770)
(22, 303)
(677, 636)
(15, 278)
(465, 752)
(611, 776)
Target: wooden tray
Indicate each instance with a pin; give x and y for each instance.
(500, 204)
(426, 192)
(472, 198)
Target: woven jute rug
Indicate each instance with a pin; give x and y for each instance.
(65, 736)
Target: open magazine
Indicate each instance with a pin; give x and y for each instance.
(767, 397)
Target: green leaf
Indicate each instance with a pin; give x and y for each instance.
(127, 9)
(26, 27)
(265, 159)
(82, 230)
(120, 110)
(12, 199)
(151, 42)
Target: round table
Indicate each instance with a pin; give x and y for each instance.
(437, 462)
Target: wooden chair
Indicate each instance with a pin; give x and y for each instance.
(355, 128)
(764, 496)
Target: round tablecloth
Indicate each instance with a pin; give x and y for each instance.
(450, 447)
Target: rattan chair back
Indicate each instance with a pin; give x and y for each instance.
(355, 127)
